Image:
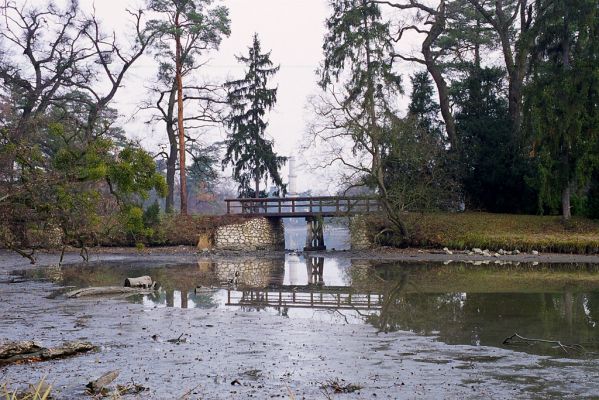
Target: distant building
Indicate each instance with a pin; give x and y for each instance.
(292, 186)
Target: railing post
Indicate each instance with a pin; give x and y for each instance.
(228, 206)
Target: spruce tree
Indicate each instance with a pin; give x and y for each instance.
(248, 150)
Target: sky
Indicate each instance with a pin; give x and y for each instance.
(292, 29)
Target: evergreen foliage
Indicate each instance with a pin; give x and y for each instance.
(492, 169)
(563, 102)
(423, 105)
(247, 149)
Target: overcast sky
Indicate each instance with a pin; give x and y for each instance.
(292, 29)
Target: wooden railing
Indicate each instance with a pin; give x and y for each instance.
(326, 206)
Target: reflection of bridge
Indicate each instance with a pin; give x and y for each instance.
(305, 296)
(313, 295)
(313, 209)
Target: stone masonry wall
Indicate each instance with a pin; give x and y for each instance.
(360, 238)
(257, 273)
(253, 234)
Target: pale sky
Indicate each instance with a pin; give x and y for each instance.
(292, 29)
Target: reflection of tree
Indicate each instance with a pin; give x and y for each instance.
(386, 320)
(458, 304)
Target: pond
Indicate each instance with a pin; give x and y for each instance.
(456, 303)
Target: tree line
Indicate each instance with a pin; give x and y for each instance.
(503, 112)
(67, 167)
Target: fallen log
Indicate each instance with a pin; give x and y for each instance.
(107, 291)
(29, 351)
(142, 282)
(98, 385)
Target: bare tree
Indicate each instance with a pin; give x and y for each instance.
(430, 22)
(62, 52)
(513, 21)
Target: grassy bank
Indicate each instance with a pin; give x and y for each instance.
(499, 231)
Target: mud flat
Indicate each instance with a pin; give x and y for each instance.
(212, 351)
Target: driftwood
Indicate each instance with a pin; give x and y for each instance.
(98, 385)
(29, 351)
(142, 282)
(107, 291)
(516, 339)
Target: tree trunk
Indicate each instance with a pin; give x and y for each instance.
(257, 193)
(566, 208)
(566, 211)
(436, 30)
(178, 73)
(28, 351)
(171, 161)
(142, 282)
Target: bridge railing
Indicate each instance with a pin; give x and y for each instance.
(317, 298)
(320, 205)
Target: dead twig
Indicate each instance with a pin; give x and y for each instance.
(558, 344)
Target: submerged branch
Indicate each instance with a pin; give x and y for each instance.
(523, 340)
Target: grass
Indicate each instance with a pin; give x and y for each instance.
(501, 231)
(40, 391)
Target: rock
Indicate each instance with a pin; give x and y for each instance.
(447, 251)
(486, 253)
(535, 253)
(516, 252)
(497, 255)
(478, 251)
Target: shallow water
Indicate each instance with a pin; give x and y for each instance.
(457, 304)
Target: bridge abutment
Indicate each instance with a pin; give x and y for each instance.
(360, 238)
(260, 233)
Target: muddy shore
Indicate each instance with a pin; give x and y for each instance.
(379, 254)
(238, 354)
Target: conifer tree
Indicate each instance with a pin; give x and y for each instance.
(248, 150)
(423, 105)
(563, 110)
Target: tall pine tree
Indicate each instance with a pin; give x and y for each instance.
(185, 29)
(248, 150)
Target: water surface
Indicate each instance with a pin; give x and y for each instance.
(458, 303)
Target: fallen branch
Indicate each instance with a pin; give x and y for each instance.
(99, 385)
(29, 351)
(107, 291)
(523, 340)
